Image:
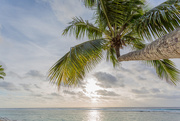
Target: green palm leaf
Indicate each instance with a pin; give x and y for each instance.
(72, 67)
(116, 13)
(111, 56)
(102, 12)
(166, 69)
(160, 20)
(90, 3)
(81, 28)
(2, 74)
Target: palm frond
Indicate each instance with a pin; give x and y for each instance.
(166, 69)
(116, 13)
(133, 40)
(72, 67)
(121, 11)
(111, 56)
(2, 74)
(1, 77)
(81, 28)
(90, 3)
(159, 20)
(102, 8)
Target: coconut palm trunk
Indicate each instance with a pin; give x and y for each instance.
(165, 47)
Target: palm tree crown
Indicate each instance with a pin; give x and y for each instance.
(118, 23)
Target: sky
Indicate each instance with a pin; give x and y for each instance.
(31, 42)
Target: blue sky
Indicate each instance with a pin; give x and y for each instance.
(31, 42)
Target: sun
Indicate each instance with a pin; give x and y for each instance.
(91, 88)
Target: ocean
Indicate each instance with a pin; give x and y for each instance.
(90, 114)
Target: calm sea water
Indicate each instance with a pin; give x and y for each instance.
(92, 114)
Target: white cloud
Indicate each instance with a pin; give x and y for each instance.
(107, 80)
(65, 10)
(143, 90)
(8, 86)
(27, 87)
(106, 93)
(35, 73)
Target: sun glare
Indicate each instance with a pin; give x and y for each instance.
(91, 88)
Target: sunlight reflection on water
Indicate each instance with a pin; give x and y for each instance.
(94, 115)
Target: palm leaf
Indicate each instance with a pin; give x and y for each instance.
(80, 28)
(90, 3)
(111, 56)
(131, 38)
(166, 69)
(159, 20)
(103, 11)
(72, 67)
(2, 72)
(116, 13)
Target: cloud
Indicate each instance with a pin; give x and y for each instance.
(8, 86)
(155, 90)
(55, 94)
(36, 86)
(30, 87)
(27, 87)
(69, 92)
(106, 93)
(14, 75)
(140, 78)
(143, 90)
(37, 95)
(81, 95)
(165, 96)
(159, 96)
(107, 80)
(35, 74)
(65, 10)
(29, 74)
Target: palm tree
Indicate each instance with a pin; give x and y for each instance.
(118, 23)
(165, 47)
(2, 74)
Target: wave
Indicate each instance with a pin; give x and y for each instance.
(144, 110)
(112, 109)
(120, 109)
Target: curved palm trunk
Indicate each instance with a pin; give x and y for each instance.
(165, 47)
